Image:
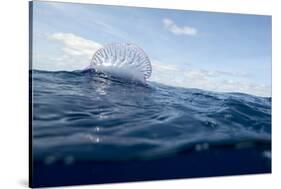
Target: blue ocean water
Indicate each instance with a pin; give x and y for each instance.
(89, 127)
(83, 116)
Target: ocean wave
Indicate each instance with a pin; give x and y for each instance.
(93, 116)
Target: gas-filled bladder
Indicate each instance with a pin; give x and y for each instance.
(123, 60)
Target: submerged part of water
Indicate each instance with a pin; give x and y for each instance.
(84, 116)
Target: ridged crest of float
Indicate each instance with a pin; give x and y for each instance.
(124, 60)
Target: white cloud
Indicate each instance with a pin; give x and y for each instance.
(177, 30)
(212, 80)
(75, 45)
(73, 53)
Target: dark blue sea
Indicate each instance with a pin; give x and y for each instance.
(88, 127)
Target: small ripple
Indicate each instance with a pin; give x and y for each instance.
(101, 118)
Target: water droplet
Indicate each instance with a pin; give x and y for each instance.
(68, 160)
(245, 144)
(267, 154)
(198, 147)
(227, 116)
(50, 160)
(203, 146)
(89, 137)
(211, 124)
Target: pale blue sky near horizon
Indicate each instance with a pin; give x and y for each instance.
(213, 51)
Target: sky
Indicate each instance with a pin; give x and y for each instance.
(219, 52)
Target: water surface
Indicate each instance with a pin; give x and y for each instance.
(86, 116)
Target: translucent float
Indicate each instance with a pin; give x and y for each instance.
(123, 60)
